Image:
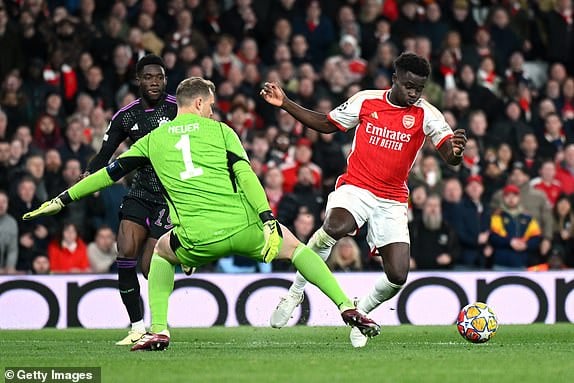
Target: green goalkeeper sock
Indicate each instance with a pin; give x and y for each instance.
(314, 269)
(160, 286)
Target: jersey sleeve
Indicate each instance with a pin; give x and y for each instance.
(232, 143)
(346, 115)
(246, 177)
(114, 136)
(435, 126)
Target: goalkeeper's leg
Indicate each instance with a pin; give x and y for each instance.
(338, 223)
(314, 269)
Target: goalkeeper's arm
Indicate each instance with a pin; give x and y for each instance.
(89, 185)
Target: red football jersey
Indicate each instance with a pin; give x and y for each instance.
(387, 140)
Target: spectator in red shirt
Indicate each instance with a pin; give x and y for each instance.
(303, 154)
(68, 252)
(565, 171)
(547, 182)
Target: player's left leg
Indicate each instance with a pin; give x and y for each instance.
(389, 233)
(160, 287)
(314, 269)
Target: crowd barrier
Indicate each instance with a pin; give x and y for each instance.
(204, 300)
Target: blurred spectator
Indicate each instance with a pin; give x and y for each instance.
(304, 194)
(318, 29)
(451, 198)
(47, 133)
(102, 252)
(553, 139)
(461, 19)
(74, 146)
(9, 42)
(328, 155)
(434, 27)
(186, 34)
(533, 202)
(8, 238)
(223, 57)
(302, 157)
(433, 242)
(53, 173)
(304, 224)
(41, 264)
(67, 252)
(514, 234)
(511, 128)
(558, 25)
(33, 235)
(547, 183)
(563, 238)
(471, 225)
(487, 77)
(417, 199)
(565, 171)
(527, 154)
(273, 184)
(427, 171)
(35, 169)
(345, 256)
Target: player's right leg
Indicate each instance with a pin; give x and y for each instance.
(314, 270)
(347, 209)
(132, 234)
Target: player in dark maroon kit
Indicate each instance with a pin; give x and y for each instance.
(391, 127)
(144, 215)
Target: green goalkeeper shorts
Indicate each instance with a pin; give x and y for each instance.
(248, 242)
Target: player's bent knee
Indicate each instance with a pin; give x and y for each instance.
(397, 278)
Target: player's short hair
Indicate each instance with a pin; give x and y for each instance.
(149, 60)
(191, 88)
(411, 62)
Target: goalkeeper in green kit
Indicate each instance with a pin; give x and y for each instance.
(217, 207)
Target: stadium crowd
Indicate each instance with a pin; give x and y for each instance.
(502, 70)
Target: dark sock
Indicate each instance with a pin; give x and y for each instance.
(129, 287)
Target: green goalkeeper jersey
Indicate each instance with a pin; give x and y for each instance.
(194, 158)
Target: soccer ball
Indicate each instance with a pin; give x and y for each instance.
(477, 322)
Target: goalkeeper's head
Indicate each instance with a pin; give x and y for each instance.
(196, 95)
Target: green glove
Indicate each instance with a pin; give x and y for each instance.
(50, 207)
(273, 236)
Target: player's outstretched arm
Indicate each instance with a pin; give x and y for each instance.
(274, 95)
(88, 185)
(451, 151)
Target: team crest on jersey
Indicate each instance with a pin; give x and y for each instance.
(163, 120)
(408, 121)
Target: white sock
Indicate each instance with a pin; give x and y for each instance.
(321, 243)
(138, 326)
(383, 291)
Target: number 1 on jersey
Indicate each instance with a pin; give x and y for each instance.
(190, 170)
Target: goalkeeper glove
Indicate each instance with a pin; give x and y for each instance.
(273, 236)
(50, 207)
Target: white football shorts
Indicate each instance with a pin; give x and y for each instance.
(387, 219)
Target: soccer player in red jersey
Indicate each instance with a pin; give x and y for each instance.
(391, 127)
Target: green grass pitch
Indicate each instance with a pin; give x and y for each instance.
(422, 354)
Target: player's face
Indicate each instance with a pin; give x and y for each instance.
(152, 82)
(207, 106)
(407, 88)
